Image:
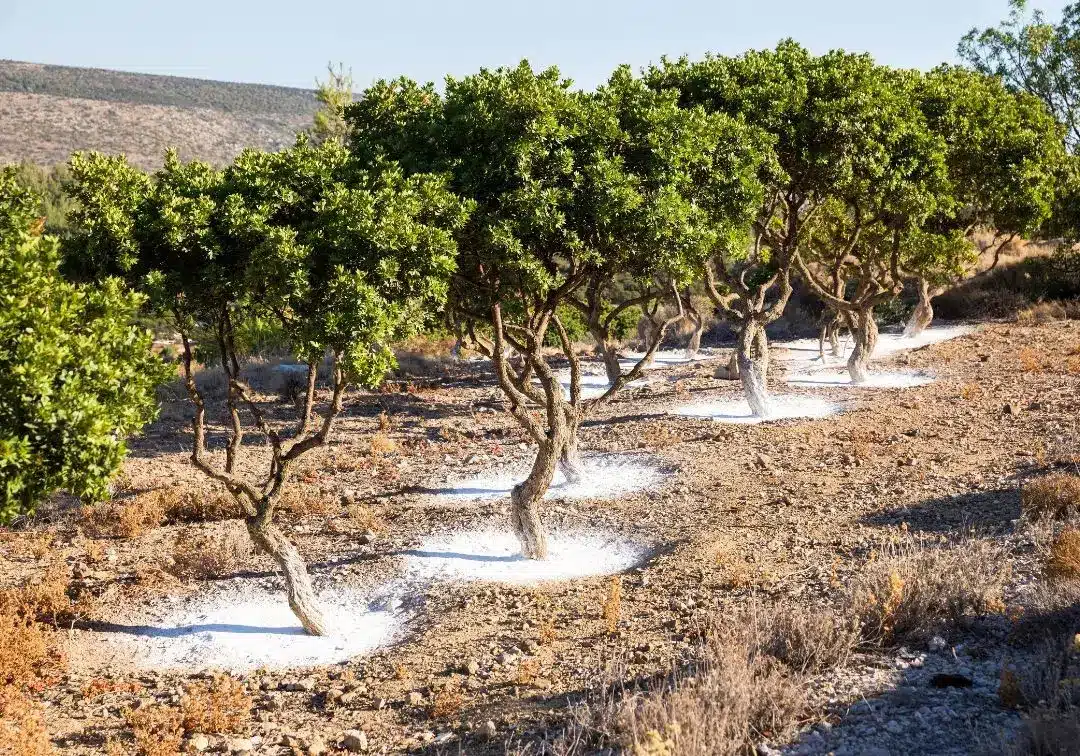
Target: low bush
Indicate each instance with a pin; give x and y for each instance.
(217, 706)
(1063, 561)
(1053, 496)
(157, 729)
(209, 556)
(915, 591)
(22, 726)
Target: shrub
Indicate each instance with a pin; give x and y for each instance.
(1063, 562)
(207, 556)
(22, 726)
(75, 377)
(219, 706)
(805, 640)
(157, 729)
(1054, 496)
(916, 591)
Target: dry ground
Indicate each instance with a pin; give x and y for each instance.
(788, 514)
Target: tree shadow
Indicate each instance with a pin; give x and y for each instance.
(985, 511)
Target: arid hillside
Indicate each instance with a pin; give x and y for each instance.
(50, 111)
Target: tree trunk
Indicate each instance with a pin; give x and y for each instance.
(698, 323)
(834, 338)
(923, 314)
(865, 335)
(570, 460)
(609, 350)
(297, 582)
(525, 499)
(752, 352)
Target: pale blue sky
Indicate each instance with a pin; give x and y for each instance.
(279, 42)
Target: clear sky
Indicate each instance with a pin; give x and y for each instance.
(279, 42)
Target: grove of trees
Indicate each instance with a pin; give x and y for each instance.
(517, 210)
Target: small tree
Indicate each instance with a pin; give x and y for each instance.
(821, 114)
(76, 377)
(571, 190)
(334, 95)
(345, 260)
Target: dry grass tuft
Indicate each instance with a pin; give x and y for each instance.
(1055, 496)
(158, 729)
(727, 702)
(123, 518)
(446, 702)
(806, 640)
(304, 501)
(382, 445)
(22, 726)
(1031, 361)
(209, 556)
(217, 706)
(365, 518)
(915, 591)
(1063, 562)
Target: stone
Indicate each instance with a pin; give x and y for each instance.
(199, 743)
(241, 745)
(378, 703)
(937, 643)
(472, 667)
(415, 698)
(317, 747)
(487, 730)
(354, 741)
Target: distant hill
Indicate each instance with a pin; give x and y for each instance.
(47, 112)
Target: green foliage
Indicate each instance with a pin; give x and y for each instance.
(334, 95)
(48, 185)
(1031, 54)
(337, 257)
(569, 187)
(76, 378)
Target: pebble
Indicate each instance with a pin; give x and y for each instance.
(354, 741)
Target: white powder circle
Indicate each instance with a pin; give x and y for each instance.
(738, 411)
(664, 358)
(604, 477)
(238, 628)
(875, 380)
(495, 556)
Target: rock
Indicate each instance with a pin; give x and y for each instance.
(317, 747)
(950, 681)
(199, 743)
(379, 703)
(487, 730)
(1011, 409)
(530, 646)
(763, 461)
(354, 741)
(415, 698)
(240, 745)
(505, 657)
(471, 667)
(443, 738)
(366, 538)
(937, 643)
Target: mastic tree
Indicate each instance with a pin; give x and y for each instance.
(77, 378)
(821, 113)
(570, 188)
(854, 259)
(345, 259)
(1004, 158)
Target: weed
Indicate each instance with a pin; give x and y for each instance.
(219, 706)
(123, 518)
(446, 702)
(158, 729)
(382, 445)
(1063, 562)
(527, 672)
(970, 391)
(22, 726)
(365, 518)
(209, 556)
(303, 501)
(915, 591)
(1053, 496)
(1031, 361)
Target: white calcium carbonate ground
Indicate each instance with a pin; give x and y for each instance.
(737, 410)
(239, 627)
(605, 476)
(495, 556)
(876, 380)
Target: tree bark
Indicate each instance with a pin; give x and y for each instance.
(923, 314)
(698, 324)
(570, 459)
(609, 351)
(865, 334)
(297, 582)
(752, 353)
(525, 500)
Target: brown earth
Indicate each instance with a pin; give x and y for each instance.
(786, 512)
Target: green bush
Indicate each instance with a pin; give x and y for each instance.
(76, 377)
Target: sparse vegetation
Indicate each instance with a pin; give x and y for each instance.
(1053, 496)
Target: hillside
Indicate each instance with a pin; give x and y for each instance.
(51, 111)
